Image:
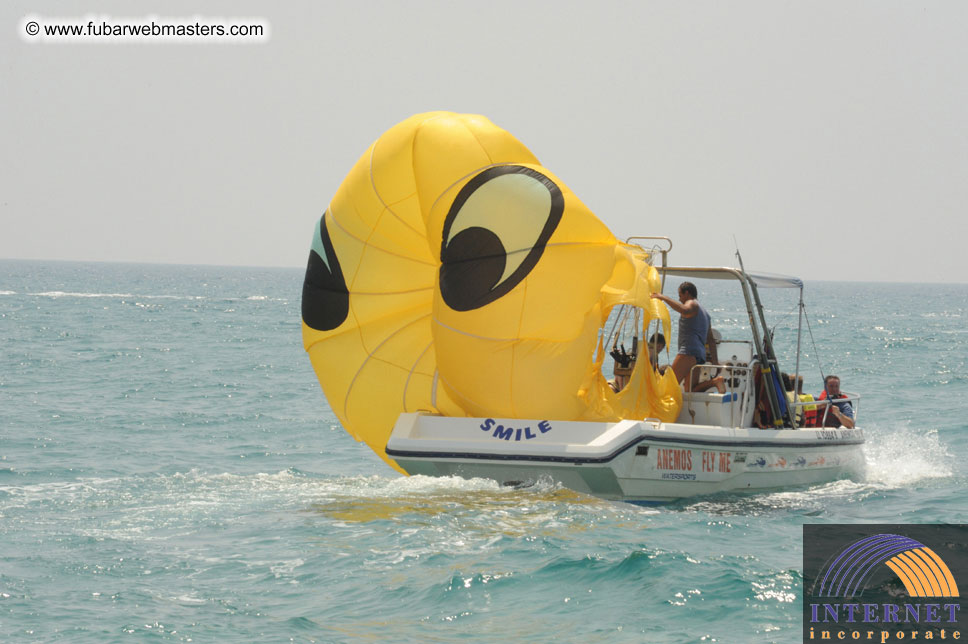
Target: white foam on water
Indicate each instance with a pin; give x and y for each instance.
(406, 486)
(70, 294)
(141, 296)
(897, 457)
(20, 495)
(300, 488)
(58, 294)
(902, 455)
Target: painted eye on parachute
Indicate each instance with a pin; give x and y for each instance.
(325, 298)
(495, 233)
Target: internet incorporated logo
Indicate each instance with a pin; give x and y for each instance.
(918, 567)
(882, 585)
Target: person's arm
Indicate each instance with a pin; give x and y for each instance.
(712, 351)
(686, 310)
(844, 419)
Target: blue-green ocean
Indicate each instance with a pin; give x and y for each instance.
(170, 471)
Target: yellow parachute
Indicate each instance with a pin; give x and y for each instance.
(453, 273)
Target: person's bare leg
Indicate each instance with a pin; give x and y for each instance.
(681, 366)
(716, 382)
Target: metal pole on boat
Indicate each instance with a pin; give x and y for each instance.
(765, 350)
(757, 342)
(665, 257)
(796, 376)
(777, 380)
(772, 367)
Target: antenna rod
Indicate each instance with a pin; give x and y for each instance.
(738, 256)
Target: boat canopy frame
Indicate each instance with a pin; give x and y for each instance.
(750, 283)
(762, 341)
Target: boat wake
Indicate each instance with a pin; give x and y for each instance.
(902, 456)
(899, 457)
(364, 499)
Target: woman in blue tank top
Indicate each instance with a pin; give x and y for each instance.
(694, 324)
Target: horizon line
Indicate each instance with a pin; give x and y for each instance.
(297, 267)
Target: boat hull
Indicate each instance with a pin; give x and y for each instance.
(637, 461)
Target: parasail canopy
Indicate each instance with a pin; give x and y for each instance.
(453, 273)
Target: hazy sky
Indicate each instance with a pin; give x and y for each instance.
(831, 138)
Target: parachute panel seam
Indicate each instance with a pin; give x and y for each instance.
(406, 385)
(377, 192)
(375, 247)
(369, 355)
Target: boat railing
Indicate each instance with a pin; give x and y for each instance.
(661, 244)
(853, 399)
(660, 241)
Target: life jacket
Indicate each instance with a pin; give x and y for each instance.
(831, 419)
(823, 396)
(809, 411)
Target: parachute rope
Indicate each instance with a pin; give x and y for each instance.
(812, 342)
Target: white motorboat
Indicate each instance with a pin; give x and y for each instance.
(630, 460)
(715, 445)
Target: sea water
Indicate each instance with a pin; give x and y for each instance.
(171, 471)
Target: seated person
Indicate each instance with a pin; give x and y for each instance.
(806, 415)
(622, 370)
(840, 413)
(791, 397)
(625, 362)
(713, 374)
(657, 344)
(762, 415)
(809, 411)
